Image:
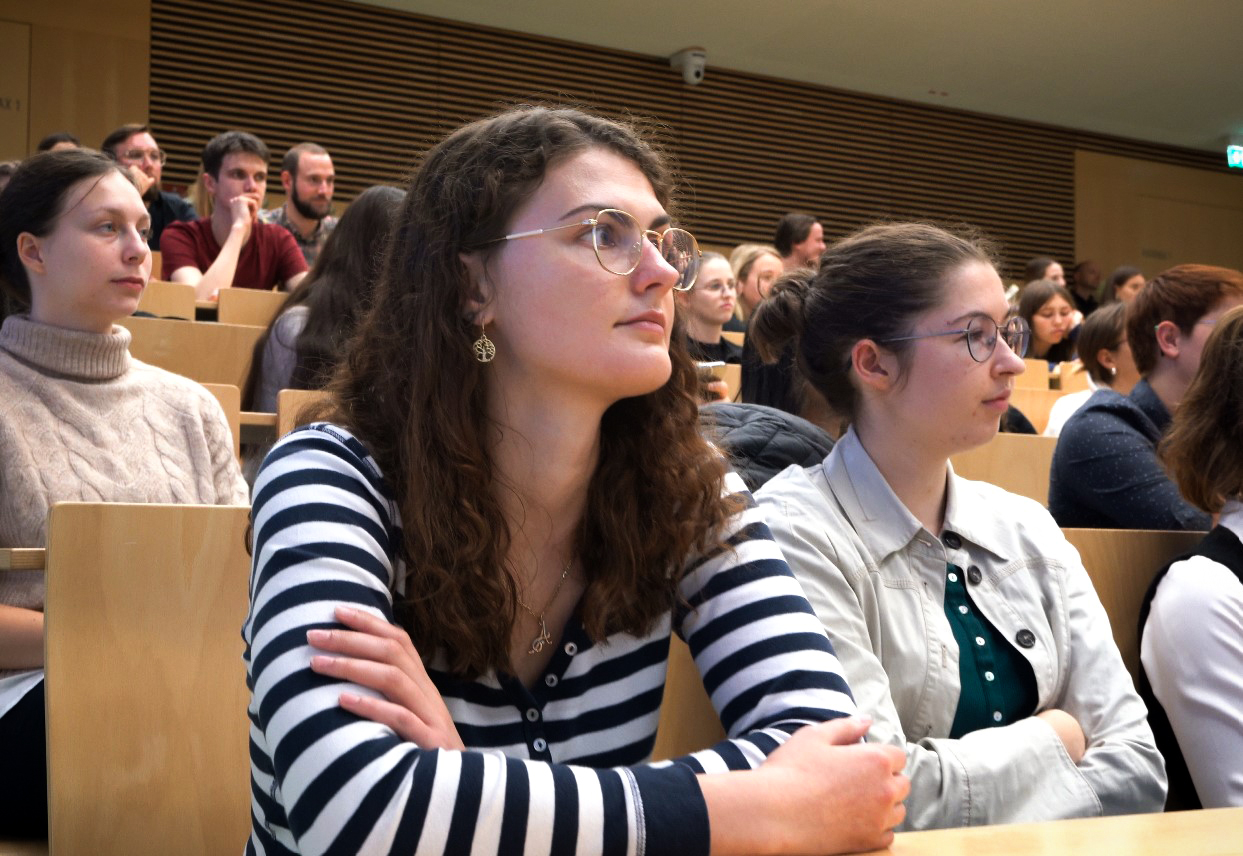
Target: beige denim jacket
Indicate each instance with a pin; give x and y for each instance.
(876, 578)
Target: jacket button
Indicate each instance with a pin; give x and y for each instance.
(974, 576)
(952, 540)
(1025, 638)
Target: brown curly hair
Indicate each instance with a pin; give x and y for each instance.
(411, 389)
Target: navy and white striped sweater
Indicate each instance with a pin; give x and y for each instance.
(560, 768)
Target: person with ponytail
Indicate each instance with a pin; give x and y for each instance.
(968, 626)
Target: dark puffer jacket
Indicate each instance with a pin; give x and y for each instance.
(762, 441)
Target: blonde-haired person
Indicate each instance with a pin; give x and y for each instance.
(967, 623)
(705, 308)
(756, 268)
(1191, 621)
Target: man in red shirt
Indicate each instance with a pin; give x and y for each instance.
(231, 248)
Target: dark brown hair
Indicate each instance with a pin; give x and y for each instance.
(335, 292)
(289, 163)
(120, 135)
(1117, 278)
(870, 285)
(1104, 328)
(792, 229)
(34, 199)
(412, 390)
(1035, 268)
(1182, 294)
(1037, 294)
(1204, 447)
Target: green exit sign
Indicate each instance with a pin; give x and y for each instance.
(1234, 156)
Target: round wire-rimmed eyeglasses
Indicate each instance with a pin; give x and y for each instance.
(981, 334)
(618, 239)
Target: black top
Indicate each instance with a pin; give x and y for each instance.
(1063, 351)
(1105, 471)
(735, 325)
(1086, 305)
(167, 208)
(763, 441)
(772, 386)
(724, 351)
(1223, 547)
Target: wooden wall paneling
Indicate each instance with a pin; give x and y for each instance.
(14, 90)
(384, 85)
(1156, 215)
(88, 66)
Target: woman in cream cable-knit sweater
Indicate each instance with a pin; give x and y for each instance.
(79, 418)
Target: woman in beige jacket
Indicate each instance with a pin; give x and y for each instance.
(966, 623)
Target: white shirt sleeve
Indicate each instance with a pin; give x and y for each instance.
(1192, 652)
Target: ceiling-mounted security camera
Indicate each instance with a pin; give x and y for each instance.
(691, 62)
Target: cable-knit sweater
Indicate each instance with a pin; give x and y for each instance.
(82, 420)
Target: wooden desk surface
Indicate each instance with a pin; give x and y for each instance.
(1211, 832)
(21, 558)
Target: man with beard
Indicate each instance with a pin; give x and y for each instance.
(134, 148)
(308, 179)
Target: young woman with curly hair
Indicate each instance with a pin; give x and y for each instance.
(465, 579)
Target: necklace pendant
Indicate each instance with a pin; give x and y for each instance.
(544, 638)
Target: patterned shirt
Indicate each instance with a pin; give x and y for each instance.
(559, 768)
(1105, 472)
(311, 246)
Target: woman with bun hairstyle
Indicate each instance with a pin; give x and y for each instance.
(966, 622)
(466, 577)
(80, 419)
(1106, 358)
(1191, 622)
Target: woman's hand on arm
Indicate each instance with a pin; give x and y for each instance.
(820, 792)
(381, 657)
(21, 638)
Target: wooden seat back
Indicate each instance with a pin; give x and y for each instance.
(249, 306)
(290, 403)
(688, 721)
(168, 299)
(1122, 563)
(230, 398)
(1074, 377)
(1018, 463)
(1035, 404)
(207, 353)
(146, 690)
(1036, 376)
(735, 336)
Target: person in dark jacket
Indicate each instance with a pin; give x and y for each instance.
(1105, 471)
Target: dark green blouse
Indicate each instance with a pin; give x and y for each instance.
(998, 685)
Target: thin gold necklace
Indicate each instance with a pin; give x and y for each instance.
(544, 637)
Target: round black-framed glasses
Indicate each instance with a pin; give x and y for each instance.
(981, 334)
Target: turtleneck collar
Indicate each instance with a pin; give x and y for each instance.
(70, 353)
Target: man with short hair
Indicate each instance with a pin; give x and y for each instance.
(800, 240)
(1106, 473)
(231, 248)
(133, 147)
(308, 178)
